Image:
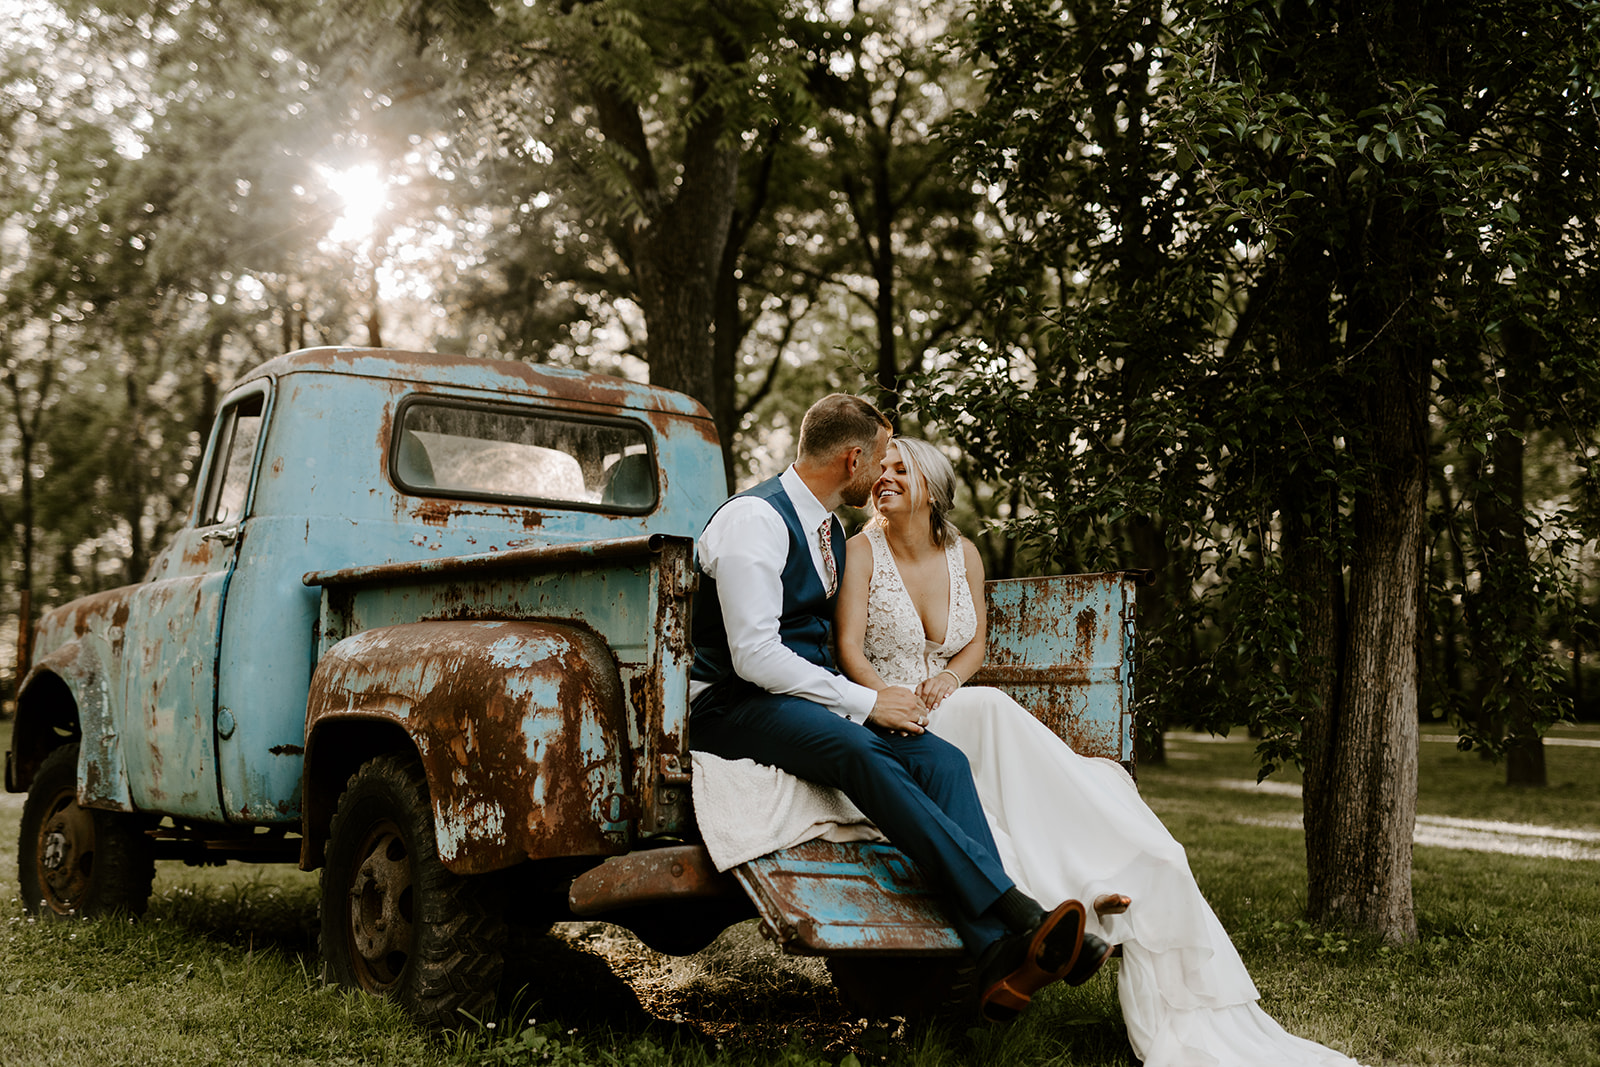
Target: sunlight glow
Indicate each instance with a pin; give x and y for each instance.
(364, 192)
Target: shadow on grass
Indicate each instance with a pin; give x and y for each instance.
(738, 993)
(252, 911)
(739, 998)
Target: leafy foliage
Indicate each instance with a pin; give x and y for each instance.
(1188, 319)
(163, 225)
(1271, 260)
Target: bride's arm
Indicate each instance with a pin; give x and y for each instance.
(963, 664)
(850, 613)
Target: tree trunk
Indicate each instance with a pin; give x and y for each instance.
(27, 430)
(1361, 775)
(676, 252)
(675, 259)
(1505, 660)
(134, 479)
(726, 336)
(883, 272)
(1298, 314)
(1508, 577)
(1150, 551)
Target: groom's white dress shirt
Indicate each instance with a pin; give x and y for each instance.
(744, 548)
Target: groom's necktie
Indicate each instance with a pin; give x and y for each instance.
(829, 567)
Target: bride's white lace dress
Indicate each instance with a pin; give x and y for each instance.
(1071, 826)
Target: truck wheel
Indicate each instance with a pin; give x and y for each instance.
(941, 989)
(77, 862)
(395, 921)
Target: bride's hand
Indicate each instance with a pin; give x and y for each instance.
(899, 709)
(935, 689)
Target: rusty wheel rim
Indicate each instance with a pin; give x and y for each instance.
(381, 896)
(65, 854)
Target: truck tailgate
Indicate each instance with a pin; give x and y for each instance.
(1062, 647)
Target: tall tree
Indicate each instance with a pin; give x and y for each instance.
(1257, 236)
(836, 188)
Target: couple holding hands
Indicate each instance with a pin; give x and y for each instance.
(1008, 822)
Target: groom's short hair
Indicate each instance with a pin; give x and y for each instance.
(839, 421)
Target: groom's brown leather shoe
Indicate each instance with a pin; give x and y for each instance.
(1017, 967)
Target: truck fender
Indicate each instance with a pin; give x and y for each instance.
(521, 728)
(66, 697)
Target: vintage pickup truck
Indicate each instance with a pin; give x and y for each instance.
(426, 629)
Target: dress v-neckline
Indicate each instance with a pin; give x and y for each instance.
(950, 595)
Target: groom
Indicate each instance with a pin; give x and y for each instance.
(764, 686)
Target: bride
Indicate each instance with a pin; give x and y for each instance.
(911, 612)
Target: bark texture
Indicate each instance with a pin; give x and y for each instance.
(1361, 752)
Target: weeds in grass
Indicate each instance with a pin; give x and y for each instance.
(1320, 942)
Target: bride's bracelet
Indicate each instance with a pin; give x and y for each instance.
(952, 674)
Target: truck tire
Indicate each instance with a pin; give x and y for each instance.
(395, 921)
(77, 862)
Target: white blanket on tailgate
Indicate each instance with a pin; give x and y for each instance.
(746, 809)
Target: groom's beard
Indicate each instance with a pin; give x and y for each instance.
(859, 492)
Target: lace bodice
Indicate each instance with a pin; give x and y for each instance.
(895, 644)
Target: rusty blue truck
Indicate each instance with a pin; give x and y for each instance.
(426, 628)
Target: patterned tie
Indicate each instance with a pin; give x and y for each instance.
(825, 536)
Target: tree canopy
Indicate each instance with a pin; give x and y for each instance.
(1292, 302)
(1278, 259)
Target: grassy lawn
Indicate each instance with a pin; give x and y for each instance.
(1507, 966)
(223, 968)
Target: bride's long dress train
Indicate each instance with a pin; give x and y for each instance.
(1071, 826)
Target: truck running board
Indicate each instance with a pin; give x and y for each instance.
(857, 898)
(815, 899)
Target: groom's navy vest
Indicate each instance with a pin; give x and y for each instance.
(806, 622)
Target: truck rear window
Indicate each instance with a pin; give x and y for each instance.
(487, 452)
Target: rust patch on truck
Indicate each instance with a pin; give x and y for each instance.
(1087, 631)
(197, 553)
(433, 511)
(659, 875)
(520, 727)
(422, 369)
(1061, 648)
(665, 424)
(78, 617)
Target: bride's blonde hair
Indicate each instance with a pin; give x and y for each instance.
(932, 479)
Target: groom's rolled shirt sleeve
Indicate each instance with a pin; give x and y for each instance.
(744, 549)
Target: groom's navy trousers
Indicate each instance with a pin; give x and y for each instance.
(917, 789)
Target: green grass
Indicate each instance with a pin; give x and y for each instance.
(1450, 782)
(223, 968)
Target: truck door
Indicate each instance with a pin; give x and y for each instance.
(172, 726)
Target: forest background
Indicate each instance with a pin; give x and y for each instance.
(1292, 303)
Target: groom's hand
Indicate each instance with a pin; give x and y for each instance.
(898, 708)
